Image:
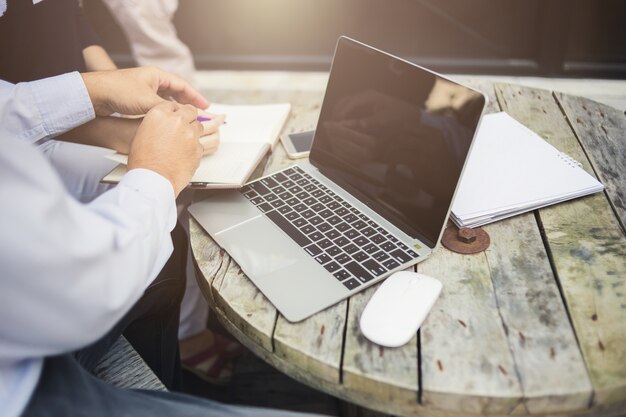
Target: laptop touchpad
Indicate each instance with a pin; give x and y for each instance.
(222, 211)
(259, 247)
(293, 281)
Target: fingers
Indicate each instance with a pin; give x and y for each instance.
(187, 114)
(210, 139)
(179, 89)
(212, 125)
(210, 143)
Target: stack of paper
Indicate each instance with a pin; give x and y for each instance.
(511, 170)
(250, 131)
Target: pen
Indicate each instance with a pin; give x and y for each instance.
(206, 119)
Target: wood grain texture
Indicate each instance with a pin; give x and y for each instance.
(602, 132)
(521, 280)
(588, 250)
(386, 375)
(243, 303)
(315, 344)
(357, 396)
(548, 361)
(466, 362)
(210, 260)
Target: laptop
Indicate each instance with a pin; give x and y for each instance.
(373, 198)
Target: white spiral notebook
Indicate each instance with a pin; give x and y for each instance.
(512, 170)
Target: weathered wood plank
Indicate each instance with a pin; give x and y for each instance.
(341, 391)
(588, 250)
(466, 365)
(602, 132)
(209, 258)
(522, 280)
(384, 375)
(245, 306)
(547, 359)
(315, 344)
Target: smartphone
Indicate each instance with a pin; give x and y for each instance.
(298, 145)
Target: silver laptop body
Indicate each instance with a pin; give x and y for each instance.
(389, 150)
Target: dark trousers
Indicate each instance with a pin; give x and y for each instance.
(66, 389)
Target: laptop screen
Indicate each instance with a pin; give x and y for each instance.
(395, 136)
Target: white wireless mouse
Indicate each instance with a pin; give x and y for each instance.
(398, 308)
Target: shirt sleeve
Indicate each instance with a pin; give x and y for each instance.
(71, 271)
(44, 108)
(68, 272)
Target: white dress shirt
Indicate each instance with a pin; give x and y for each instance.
(68, 271)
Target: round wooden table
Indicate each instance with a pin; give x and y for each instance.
(534, 325)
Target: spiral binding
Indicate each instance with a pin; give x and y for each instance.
(569, 160)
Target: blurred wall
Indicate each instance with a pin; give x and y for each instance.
(531, 37)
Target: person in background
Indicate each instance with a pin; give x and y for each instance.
(152, 35)
(39, 39)
(72, 271)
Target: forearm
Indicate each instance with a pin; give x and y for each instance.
(87, 267)
(108, 132)
(44, 108)
(97, 59)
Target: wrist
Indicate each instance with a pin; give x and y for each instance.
(122, 133)
(98, 92)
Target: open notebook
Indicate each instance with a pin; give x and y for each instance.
(250, 131)
(512, 170)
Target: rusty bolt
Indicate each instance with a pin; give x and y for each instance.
(467, 235)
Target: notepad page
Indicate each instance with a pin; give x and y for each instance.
(511, 168)
(259, 123)
(232, 163)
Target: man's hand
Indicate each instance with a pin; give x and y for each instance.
(167, 143)
(135, 91)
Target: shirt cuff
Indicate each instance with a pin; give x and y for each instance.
(155, 187)
(63, 102)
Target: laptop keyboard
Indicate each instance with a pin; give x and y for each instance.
(351, 246)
